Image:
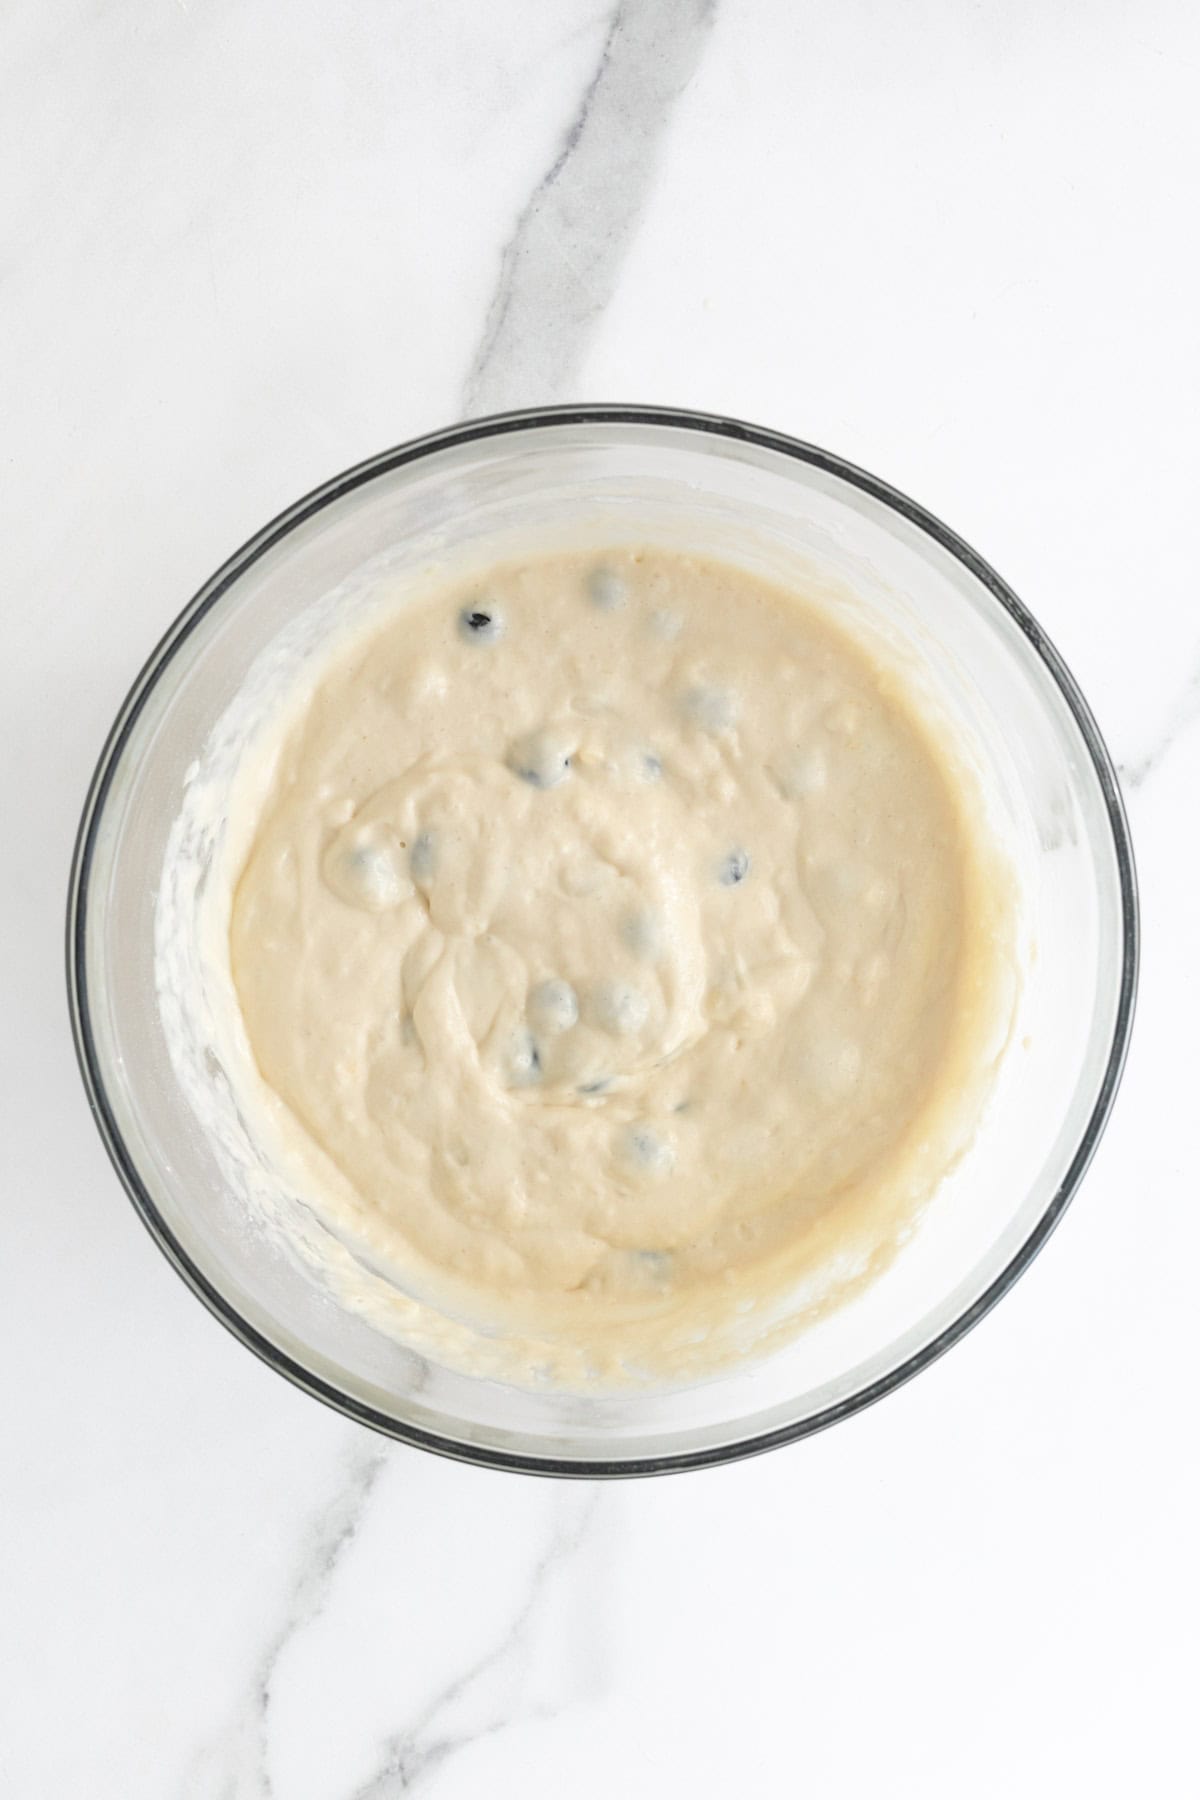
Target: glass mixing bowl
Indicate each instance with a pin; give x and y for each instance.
(745, 493)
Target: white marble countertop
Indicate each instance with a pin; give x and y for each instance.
(245, 244)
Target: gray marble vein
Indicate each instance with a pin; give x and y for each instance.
(236, 1765)
(416, 1751)
(560, 266)
(1183, 714)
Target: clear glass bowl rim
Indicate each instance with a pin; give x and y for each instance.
(549, 418)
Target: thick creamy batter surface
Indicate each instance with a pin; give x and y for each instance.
(615, 931)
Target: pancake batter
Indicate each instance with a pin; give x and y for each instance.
(615, 935)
